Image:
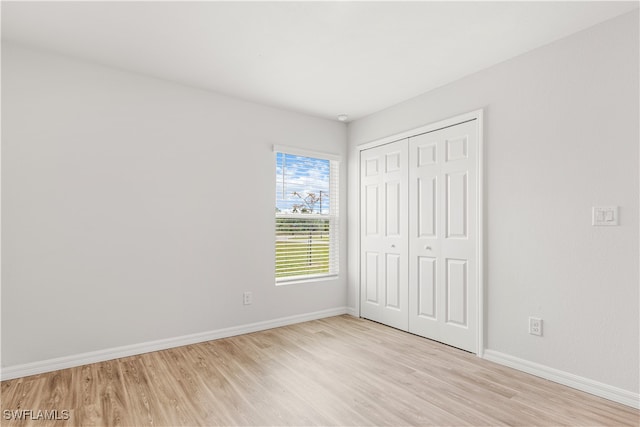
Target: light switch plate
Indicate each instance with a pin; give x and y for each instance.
(605, 215)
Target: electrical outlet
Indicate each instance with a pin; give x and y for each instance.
(247, 298)
(535, 326)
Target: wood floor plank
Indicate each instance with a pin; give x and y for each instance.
(335, 371)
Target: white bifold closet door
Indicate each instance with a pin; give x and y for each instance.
(418, 236)
(384, 234)
(442, 242)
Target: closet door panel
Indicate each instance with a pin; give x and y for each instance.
(384, 234)
(442, 237)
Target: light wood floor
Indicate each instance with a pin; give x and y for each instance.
(335, 371)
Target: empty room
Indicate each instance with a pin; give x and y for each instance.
(320, 213)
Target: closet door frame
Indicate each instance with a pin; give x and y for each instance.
(476, 115)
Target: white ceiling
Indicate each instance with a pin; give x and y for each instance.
(320, 58)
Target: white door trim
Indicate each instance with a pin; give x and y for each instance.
(476, 115)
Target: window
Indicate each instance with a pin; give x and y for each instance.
(306, 215)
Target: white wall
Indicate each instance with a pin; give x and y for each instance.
(561, 135)
(136, 209)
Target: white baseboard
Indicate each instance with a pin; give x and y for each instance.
(565, 378)
(65, 362)
(352, 312)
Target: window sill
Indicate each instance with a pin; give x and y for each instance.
(298, 280)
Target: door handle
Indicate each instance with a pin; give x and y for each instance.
(428, 248)
(393, 246)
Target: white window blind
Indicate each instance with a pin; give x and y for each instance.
(306, 216)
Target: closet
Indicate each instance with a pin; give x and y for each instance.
(419, 227)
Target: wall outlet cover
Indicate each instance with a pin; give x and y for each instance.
(604, 216)
(535, 326)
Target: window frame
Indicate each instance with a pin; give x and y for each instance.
(333, 215)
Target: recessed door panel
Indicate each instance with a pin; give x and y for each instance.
(392, 161)
(456, 288)
(427, 287)
(392, 282)
(426, 154)
(371, 276)
(456, 148)
(427, 203)
(371, 209)
(457, 205)
(392, 203)
(371, 167)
